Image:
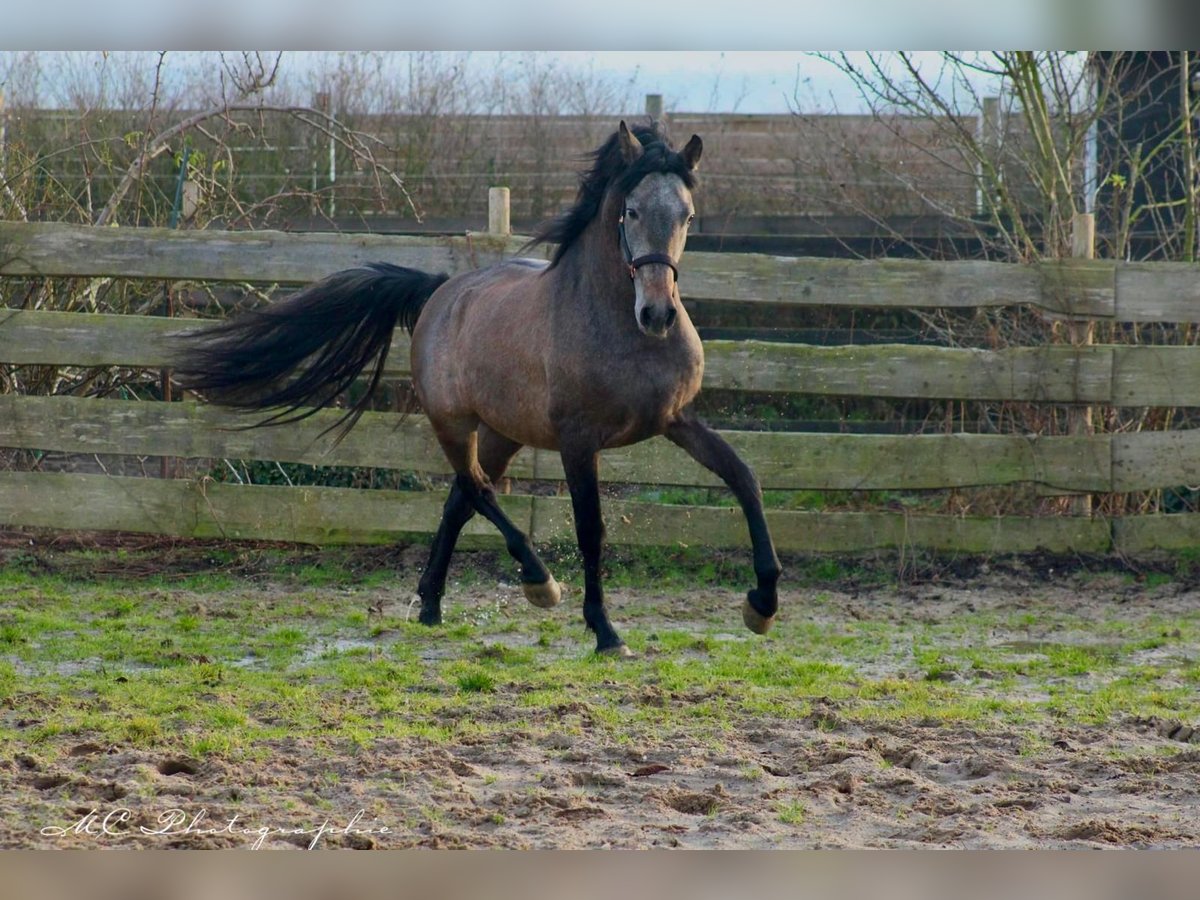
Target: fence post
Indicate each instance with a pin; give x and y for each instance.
(654, 106)
(498, 211)
(991, 130)
(323, 101)
(1082, 334)
(8, 191)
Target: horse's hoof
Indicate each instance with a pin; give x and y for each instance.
(756, 621)
(544, 595)
(620, 651)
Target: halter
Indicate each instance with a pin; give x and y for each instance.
(635, 264)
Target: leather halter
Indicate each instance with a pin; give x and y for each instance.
(645, 259)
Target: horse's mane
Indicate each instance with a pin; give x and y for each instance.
(608, 169)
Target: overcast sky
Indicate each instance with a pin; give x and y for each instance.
(745, 81)
(753, 77)
(755, 29)
(719, 81)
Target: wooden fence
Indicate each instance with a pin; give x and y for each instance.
(1116, 375)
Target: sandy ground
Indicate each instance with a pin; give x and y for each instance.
(912, 784)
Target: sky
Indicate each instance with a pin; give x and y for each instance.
(690, 81)
(746, 81)
(742, 81)
(702, 55)
(597, 24)
(766, 26)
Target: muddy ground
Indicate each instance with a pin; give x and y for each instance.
(814, 775)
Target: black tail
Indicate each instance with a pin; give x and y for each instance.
(296, 356)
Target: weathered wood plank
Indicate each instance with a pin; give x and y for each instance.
(41, 337)
(202, 431)
(193, 509)
(1125, 376)
(798, 461)
(1156, 376)
(1066, 289)
(339, 515)
(1132, 292)
(56, 249)
(785, 461)
(629, 522)
(1049, 374)
(1078, 288)
(88, 503)
(46, 337)
(1147, 460)
(1158, 292)
(1142, 534)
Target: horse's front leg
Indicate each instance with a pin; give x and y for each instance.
(713, 452)
(580, 465)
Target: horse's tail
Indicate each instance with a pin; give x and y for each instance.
(296, 356)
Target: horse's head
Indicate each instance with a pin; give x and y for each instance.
(656, 212)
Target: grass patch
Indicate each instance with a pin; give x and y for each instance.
(231, 666)
(791, 812)
(477, 682)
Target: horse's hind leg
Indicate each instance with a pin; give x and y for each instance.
(466, 452)
(495, 453)
(455, 514)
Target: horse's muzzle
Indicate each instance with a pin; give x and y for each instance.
(657, 321)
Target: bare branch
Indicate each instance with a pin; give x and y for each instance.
(317, 119)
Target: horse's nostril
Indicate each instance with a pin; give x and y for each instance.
(656, 320)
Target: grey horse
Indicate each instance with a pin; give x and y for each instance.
(591, 350)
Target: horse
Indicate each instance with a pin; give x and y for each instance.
(590, 350)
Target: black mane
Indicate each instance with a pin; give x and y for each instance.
(609, 169)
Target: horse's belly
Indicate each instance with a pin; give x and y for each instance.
(532, 430)
(634, 430)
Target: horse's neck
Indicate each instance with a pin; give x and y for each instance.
(596, 274)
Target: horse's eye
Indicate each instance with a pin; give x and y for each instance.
(691, 218)
(631, 213)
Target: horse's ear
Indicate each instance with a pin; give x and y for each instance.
(691, 152)
(631, 147)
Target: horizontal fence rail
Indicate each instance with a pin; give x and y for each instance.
(202, 509)
(1119, 375)
(1113, 375)
(784, 461)
(1127, 292)
(1107, 463)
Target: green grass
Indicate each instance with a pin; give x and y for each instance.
(476, 682)
(225, 666)
(791, 812)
